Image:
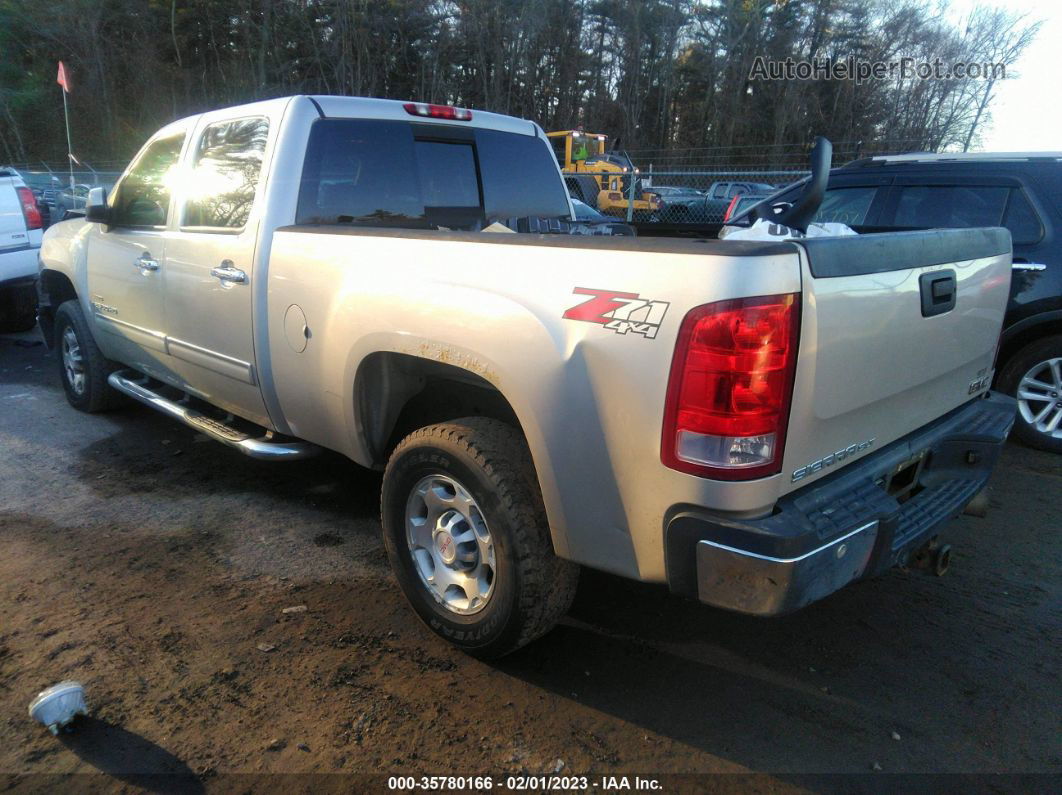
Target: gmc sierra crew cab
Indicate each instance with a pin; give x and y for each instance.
(755, 424)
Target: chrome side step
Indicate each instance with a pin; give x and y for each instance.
(267, 446)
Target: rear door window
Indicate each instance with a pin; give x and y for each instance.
(225, 173)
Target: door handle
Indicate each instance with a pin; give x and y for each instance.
(938, 292)
(1022, 265)
(229, 273)
(146, 263)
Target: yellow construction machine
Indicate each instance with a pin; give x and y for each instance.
(606, 180)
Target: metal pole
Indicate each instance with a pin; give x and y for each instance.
(630, 199)
(69, 148)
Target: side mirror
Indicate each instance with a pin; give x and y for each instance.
(96, 209)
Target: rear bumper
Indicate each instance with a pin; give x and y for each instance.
(843, 527)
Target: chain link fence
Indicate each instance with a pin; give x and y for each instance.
(680, 199)
(763, 157)
(684, 199)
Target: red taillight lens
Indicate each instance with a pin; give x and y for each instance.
(438, 111)
(729, 209)
(29, 208)
(730, 388)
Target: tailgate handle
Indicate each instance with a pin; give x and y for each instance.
(938, 292)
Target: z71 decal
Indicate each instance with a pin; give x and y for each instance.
(619, 312)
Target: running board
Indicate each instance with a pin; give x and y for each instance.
(266, 446)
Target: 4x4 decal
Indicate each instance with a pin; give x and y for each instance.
(619, 312)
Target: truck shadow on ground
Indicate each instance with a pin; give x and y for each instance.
(822, 690)
(150, 453)
(129, 758)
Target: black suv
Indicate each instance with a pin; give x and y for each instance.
(1022, 192)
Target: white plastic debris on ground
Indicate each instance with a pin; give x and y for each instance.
(58, 705)
(764, 229)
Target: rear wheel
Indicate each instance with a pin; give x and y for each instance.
(1034, 376)
(466, 534)
(82, 367)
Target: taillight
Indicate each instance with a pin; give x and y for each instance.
(729, 209)
(730, 388)
(29, 208)
(438, 111)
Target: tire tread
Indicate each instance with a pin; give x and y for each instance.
(547, 583)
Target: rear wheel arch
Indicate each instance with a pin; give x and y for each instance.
(397, 393)
(1026, 332)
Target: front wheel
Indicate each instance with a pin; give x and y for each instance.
(1034, 376)
(82, 367)
(466, 533)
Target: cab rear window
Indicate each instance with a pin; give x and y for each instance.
(399, 174)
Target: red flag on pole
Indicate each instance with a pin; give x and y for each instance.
(61, 78)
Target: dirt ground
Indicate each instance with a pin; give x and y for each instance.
(154, 566)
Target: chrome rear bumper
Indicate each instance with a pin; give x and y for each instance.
(765, 585)
(848, 525)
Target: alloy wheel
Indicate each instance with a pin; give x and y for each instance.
(1040, 397)
(450, 544)
(73, 364)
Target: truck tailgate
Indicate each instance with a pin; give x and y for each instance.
(13, 232)
(897, 330)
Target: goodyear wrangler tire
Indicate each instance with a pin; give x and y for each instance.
(466, 534)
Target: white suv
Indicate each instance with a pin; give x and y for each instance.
(21, 227)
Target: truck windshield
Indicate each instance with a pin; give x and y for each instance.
(402, 174)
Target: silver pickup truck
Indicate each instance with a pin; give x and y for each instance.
(753, 424)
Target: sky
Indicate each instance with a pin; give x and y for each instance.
(1027, 110)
